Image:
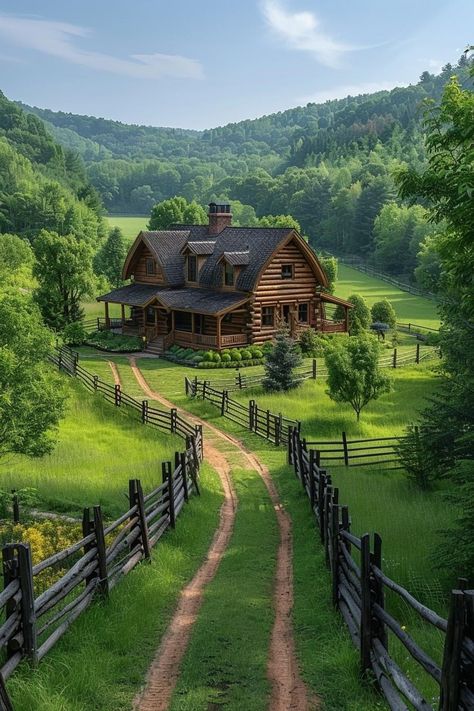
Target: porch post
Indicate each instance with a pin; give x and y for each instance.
(193, 328)
(123, 314)
(346, 319)
(156, 321)
(107, 318)
(219, 320)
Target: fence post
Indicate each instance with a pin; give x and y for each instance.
(136, 498)
(335, 553)
(144, 411)
(314, 368)
(394, 363)
(321, 502)
(379, 597)
(346, 525)
(173, 419)
(345, 449)
(312, 483)
(277, 430)
(163, 472)
(16, 507)
(76, 360)
(240, 380)
(289, 451)
(366, 604)
(451, 669)
(95, 378)
(417, 357)
(184, 474)
(103, 585)
(118, 395)
(17, 565)
(195, 385)
(5, 703)
(251, 404)
(204, 390)
(223, 402)
(327, 506)
(169, 477)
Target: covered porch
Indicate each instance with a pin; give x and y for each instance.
(203, 321)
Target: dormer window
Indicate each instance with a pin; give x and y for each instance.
(229, 274)
(287, 271)
(192, 267)
(150, 267)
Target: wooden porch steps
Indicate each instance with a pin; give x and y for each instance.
(155, 346)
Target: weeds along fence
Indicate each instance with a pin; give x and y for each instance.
(315, 371)
(169, 421)
(359, 591)
(264, 423)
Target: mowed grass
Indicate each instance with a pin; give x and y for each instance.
(101, 662)
(99, 449)
(409, 308)
(130, 225)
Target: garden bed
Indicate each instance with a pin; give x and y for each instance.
(228, 358)
(114, 342)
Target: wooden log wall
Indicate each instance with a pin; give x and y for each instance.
(138, 268)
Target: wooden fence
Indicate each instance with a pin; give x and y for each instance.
(359, 588)
(271, 426)
(35, 617)
(166, 420)
(357, 263)
(393, 359)
(357, 452)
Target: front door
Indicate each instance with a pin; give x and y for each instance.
(287, 317)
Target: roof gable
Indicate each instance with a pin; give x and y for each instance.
(165, 245)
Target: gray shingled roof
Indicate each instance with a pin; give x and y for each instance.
(203, 248)
(260, 242)
(166, 245)
(132, 294)
(204, 301)
(237, 259)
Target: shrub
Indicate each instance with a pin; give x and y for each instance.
(246, 354)
(216, 357)
(313, 344)
(208, 355)
(226, 358)
(74, 334)
(113, 342)
(359, 315)
(414, 454)
(236, 355)
(257, 354)
(383, 311)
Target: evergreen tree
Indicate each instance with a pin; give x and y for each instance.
(280, 364)
(110, 258)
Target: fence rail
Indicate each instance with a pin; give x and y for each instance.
(359, 588)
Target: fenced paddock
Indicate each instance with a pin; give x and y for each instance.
(359, 592)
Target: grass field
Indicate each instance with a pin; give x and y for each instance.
(409, 308)
(99, 450)
(130, 224)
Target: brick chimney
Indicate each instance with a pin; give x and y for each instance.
(220, 217)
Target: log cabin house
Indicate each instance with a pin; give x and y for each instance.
(216, 286)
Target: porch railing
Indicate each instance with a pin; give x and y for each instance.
(328, 326)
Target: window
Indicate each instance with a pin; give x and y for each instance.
(268, 316)
(150, 314)
(303, 313)
(192, 268)
(228, 274)
(287, 271)
(183, 321)
(227, 318)
(150, 266)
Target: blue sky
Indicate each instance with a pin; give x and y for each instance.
(204, 63)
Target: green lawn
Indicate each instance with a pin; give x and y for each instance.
(99, 450)
(130, 224)
(409, 308)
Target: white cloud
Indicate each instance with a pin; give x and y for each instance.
(59, 39)
(302, 31)
(340, 92)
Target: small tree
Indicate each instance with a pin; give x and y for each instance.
(383, 311)
(354, 374)
(330, 266)
(313, 344)
(359, 315)
(281, 362)
(413, 452)
(110, 258)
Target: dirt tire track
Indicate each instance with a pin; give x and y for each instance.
(289, 692)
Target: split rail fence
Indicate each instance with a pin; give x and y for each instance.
(34, 615)
(359, 590)
(393, 359)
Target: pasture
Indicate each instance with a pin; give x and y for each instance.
(130, 225)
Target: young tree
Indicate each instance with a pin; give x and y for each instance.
(354, 374)
(280, 364)
(63, 269)
(31, 395)
(110, 258)
(16, 261)
(176, 210)
(383, 311)
(330, 266)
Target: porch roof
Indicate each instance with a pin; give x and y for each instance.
(205, 301)
(331, 299)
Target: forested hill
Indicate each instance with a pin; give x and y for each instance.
(329, 165)
(43, 185)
